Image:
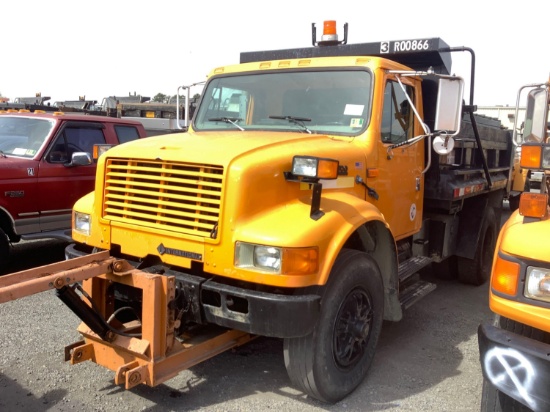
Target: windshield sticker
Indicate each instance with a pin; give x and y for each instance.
(19, 151)
(354, 109)
(357, 122)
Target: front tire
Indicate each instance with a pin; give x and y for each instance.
(334, 358)
(4, 249)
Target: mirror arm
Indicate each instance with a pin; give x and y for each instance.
(429, 163)
(472, 66)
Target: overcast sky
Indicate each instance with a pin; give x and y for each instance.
(65, 49)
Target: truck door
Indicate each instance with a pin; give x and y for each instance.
(61, 185)
(400, 180)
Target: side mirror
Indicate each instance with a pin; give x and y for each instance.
(81, 159)
(536, 116)
(448, 113)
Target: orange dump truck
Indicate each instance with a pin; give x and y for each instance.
(514, 350)
(311, 187)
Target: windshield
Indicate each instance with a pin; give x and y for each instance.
(334, 102)
(23, 136)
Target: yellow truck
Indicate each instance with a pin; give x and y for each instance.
(514, 349)
(312, 186)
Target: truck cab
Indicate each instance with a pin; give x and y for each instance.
(514, 348)
(46, 165)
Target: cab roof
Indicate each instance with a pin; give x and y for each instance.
(418, 54)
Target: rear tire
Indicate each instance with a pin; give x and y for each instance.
(477, 271)
(334, 358)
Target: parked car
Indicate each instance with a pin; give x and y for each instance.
(46, 164)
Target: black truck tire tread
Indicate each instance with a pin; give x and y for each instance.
(314, 362)
(4, 248)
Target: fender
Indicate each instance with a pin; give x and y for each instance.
(344, 221)
(370, 233)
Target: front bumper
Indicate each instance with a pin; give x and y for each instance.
(246, 309)
(516, 365)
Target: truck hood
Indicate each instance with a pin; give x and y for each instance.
(17, 167)
(526, 240)
(216, 147)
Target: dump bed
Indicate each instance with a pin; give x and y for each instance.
(462, 174)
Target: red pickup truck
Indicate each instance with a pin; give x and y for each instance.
(46, 164)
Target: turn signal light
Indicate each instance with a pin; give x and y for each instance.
(533, 205)
(301, 261)
(505, 276)
(327, 169)
(531, 156)
(99, 149)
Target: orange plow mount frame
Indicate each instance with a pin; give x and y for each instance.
(147, 351)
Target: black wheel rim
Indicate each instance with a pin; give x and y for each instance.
(352, 328)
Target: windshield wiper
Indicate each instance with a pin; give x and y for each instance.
(296, 120)
(2, 154)
(232, 120)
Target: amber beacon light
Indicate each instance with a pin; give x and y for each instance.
(329, 30)
(330, 35)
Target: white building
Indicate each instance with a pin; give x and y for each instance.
(506, 114)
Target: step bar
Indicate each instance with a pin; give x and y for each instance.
(411, 290)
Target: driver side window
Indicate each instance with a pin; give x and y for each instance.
(74, 139)
(398, 117)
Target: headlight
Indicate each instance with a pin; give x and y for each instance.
(277, 260)
(82, 223)
(537, 285)
(266, 258)
(314, 167)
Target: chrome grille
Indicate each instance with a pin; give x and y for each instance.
(179, 197)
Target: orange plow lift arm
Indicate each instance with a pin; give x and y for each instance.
(54, 276)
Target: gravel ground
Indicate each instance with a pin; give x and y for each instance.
(429, 361)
